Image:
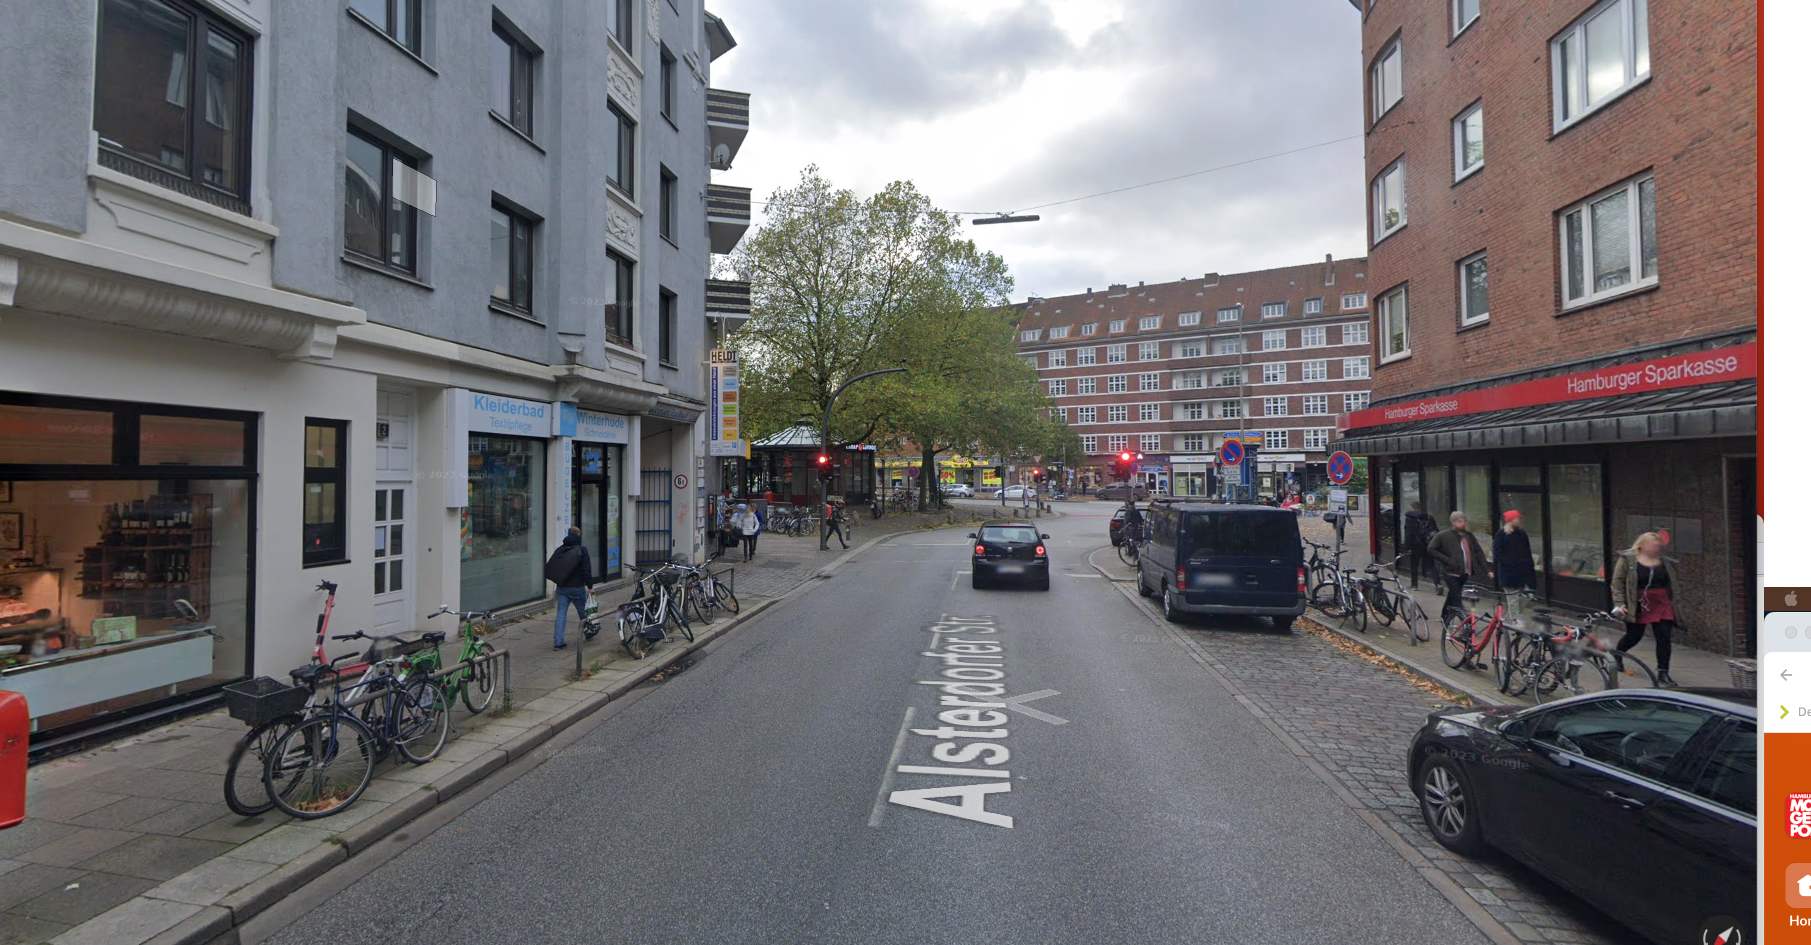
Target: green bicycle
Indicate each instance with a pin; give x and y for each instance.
(475, 679)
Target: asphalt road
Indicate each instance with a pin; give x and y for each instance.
(752, 797)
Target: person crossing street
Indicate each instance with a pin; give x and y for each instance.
(833, 518)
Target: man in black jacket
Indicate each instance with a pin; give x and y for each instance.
(570, 571)
(1460, 558)
(1418, 529)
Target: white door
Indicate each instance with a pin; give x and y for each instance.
(391, 579)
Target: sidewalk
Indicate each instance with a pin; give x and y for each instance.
(132, 842)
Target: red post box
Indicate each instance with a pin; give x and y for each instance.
(15, 741)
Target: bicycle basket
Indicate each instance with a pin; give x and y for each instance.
(667, 578)
(263, 699)
(1742, 674)
(386, 648)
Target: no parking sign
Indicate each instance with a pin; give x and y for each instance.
(1339, 467)
(1232, 453)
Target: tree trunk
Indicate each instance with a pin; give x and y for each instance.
(927, 469)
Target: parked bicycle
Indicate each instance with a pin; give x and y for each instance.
(706, 593)
(1320, 570)
(1582, 663)
(1465, 634)
(642, 621)
(1384, 595)
(1339, 595)
(474, 679)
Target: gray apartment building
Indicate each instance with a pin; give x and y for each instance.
(382, 293)
(1174, 369)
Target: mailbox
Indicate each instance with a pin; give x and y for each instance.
(15, 741)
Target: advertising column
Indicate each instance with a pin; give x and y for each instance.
(503, 524)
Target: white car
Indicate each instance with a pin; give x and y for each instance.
(959, 490)
(1019, 492)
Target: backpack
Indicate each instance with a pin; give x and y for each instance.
(562, 564)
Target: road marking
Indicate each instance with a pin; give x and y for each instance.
(1016, 703)
(886, 780)
(969, 772)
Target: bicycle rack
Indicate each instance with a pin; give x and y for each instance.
(473, 664)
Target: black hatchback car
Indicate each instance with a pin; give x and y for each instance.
(1008, 550)
(1640, 801)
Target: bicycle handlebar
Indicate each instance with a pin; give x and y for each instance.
(355, 635)
(327, 586)
(464, 614)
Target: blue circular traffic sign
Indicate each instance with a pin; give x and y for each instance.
(1232, 453)
(1339, 468)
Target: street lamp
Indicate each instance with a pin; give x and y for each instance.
(823, 524)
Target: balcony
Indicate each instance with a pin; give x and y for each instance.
(727, 301)
(726, 114)
(729, 211)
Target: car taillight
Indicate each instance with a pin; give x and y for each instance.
(1181, 577)
(1040, 551)
(980, 549)
(1301, 580)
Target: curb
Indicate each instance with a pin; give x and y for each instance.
(1415, 667)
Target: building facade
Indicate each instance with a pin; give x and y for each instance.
(1171, 370)
(1564, 265)
(390, 304)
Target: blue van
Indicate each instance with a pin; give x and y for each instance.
(1223, 559)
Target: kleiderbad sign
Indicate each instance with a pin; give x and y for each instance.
(507, 416)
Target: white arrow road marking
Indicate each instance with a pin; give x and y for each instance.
(1017, 704)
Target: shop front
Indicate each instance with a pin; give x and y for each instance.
(1192, 475)
(125, 555)
(503, 517)
(596, 443)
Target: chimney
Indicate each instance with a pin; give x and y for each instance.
(1329, 269)
(1117, 288)
(1211, 279)
(1090, 290)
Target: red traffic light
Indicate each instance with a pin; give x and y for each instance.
(1036, 472)
(823, 460)
(1125, 457)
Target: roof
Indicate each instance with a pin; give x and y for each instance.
(799, 435)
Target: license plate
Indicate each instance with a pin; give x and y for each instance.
(1011, 568)
(1213, 580)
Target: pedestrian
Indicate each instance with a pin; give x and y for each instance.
(722, 522)
(1515, 563)
(1644, 589)
(1418, 529)
(1460, 558)
(748, 524)
(569, 568)
(833, 514)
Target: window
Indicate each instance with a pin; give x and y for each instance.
(1116, 326)
(511, 79)
(1357, 401)
(1116, 354)
(1276, 340)
(1276, 406)
(1061, 414)
(619, 293)
(1090, 444)
(1150, 442)
(1191, 443)
(511, 258)
(1315, 337)
(1116, 384)
(151, 45)
(1575, 502)
(1314, 439)
(1358, 367)
(1474, 291)
(1228, 314)
(1277, 373)
(1084, 415)
(1227, 345)
(1389, 212)
(1030, 334)
(1386, 79)
(669, 80)
(1353, 300)
(1150, 323)
(1187, 319)
(1356, 333)
(1464, 12)
(619, 163)
(1188, 349)
(1192, 410)
(1150, 411)
(398, 19)
(1148, 382)
(1274, 309)
(1314, 405)
(1029, 360)
(379, 226)
(1116, 444)
(1729, 774)
(1602, 55)
(1059, 388)
(669, 205)
(323, 492)
(1276, 439)
(1231, 410)
(1639, 736)
(1232, 378)
(1060, 331)
(621, 22)
(1058, 359)
(1084, 385)
(1147, 351)
(1609, 243)
(1314, 370)
(1116, 413)
(1188, 380)
(1088, 329)
(1392, 326)
(1084, 356)
(1468, 142)
(1311, 307)
(669, 323)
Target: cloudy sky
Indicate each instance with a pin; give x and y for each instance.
(993, 105)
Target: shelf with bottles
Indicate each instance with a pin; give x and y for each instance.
(151, 552)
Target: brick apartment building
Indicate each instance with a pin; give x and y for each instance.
(1563, 230)
(1169, 370)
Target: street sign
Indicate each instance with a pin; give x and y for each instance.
(1232, 453)
(680, 482)
(1339, 467)
(1249, 438)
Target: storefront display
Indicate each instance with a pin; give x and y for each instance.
(503, 523)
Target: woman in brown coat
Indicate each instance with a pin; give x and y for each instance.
(1645, 590)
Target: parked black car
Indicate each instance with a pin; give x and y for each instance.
(1640, 801)
(1117, 491)
(1009, 550)
(1223, 559)
(1116, 525)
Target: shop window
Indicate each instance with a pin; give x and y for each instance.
(51, 436)
(1575, 498)
(190, 441)
(502, 528)
(324, 493)
(1519, 488)
(1474, 500)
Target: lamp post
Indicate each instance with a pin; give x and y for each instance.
(823, 524)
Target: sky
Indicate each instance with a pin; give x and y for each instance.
(994, 105)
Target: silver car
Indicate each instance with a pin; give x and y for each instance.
(959, 490)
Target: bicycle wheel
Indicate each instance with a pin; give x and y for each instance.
(480, 683)
(1127, 556)
(1565, 676)
(321, 766)
(1507, 664)
(699, 602)
(1325, 598)
(676, 610)
(1383, 604)
(1629, 671)
(726, 598)
(1455, 641)
(245, 792)
(1355, 608)
(1417, 620)
(421, 720)
(629, 625)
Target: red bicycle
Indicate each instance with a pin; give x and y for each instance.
(1463, 636)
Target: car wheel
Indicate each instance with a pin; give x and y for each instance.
(1044, 582)
(1143, 591)
(1283, 624)
(1449, 806)
(1170, 612)
(974, 580)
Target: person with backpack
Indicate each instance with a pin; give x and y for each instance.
(833, 517)
(569, 568)
(1419, 529)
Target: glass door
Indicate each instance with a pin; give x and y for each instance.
(392, 604)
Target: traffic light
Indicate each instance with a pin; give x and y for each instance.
(1037, 475)
(825, 471)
